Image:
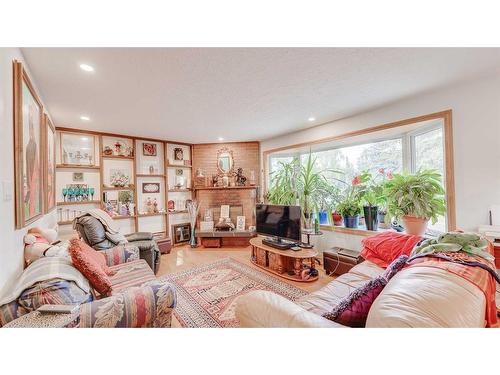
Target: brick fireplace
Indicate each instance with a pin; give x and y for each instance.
(241, 199)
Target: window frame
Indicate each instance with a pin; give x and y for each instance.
(408, 147)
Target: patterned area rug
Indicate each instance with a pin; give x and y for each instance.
(206, 295)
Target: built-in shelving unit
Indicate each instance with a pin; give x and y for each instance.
(146, 166)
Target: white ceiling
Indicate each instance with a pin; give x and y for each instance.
(199, 94)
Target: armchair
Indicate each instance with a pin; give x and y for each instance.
(93, 232)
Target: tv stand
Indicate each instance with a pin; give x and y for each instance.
(277, 243)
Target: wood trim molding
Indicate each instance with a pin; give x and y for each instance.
(448, 151)
(105, 134)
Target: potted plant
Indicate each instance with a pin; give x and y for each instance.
(375, 199)
(350, 207)
(350, 210)
(302, 184)
(337, 218)
(415, 199)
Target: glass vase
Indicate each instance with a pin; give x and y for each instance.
(192, 241)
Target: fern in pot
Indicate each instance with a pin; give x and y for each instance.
(415, 199)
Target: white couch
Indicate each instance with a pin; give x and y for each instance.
(414, 297)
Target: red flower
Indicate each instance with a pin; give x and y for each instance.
(356, 180)
(389, 175)
(381, 170)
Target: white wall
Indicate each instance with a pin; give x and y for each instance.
(476, 140)
(11, 240)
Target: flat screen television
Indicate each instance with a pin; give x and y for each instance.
(282, 222)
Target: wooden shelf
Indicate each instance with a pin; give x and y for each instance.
(130, 187)
(65, 222)
(150, 175)
(123, 217)
(68, 166)
(77, 203)
(226, 188)
(155, 214)
(355, 231)
(119, 157)
(179, 166)
(178, 212)
(179, 190)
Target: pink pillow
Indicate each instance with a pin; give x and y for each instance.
(352, 310)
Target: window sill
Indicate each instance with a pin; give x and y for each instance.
(353, 231)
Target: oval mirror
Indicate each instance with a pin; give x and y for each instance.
(225, 161)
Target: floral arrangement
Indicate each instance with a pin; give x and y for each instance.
(119, 179)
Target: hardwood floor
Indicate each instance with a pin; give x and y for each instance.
(183, 258)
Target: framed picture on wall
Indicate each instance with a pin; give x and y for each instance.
(150, 187)
(29, 151)
(50, 164)
(149, 149)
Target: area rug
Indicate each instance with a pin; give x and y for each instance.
(206, 295)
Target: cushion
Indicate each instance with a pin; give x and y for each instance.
(384, 248)
(130, 274)
(53, 292)
(353, 310)
(90, 263)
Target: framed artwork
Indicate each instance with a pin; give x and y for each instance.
(178, 153)
(150, 187)
(181, 233)
(50, 164)
(149, 149)
(240, 223)
(78, 149)
(29, 151)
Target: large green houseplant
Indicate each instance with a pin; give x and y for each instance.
(297, 183)
(415, 199)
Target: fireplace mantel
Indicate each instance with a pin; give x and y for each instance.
(227, 187)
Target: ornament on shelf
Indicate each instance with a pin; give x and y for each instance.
(171, 205)
(240, 179)
(107, 151)
(252, 179)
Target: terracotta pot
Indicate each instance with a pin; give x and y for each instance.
(415, 225)
(337, 219)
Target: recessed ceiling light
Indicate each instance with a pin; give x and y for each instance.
(85, 118)
(220, 139)
(311, 119)
(86, 67)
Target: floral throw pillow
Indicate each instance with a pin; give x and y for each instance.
(90, 263)
(352, 310)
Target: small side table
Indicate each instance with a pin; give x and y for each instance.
(310, 233)
(35, 319)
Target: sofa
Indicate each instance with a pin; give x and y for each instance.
(414, 297)
(138, 298)
(93, 233)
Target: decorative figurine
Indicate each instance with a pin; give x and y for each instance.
(240, 179)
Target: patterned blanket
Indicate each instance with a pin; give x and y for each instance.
(43, 269)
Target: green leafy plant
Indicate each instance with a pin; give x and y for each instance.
(353, 195)
(375, 194)
(297, 183)
(420, 195)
